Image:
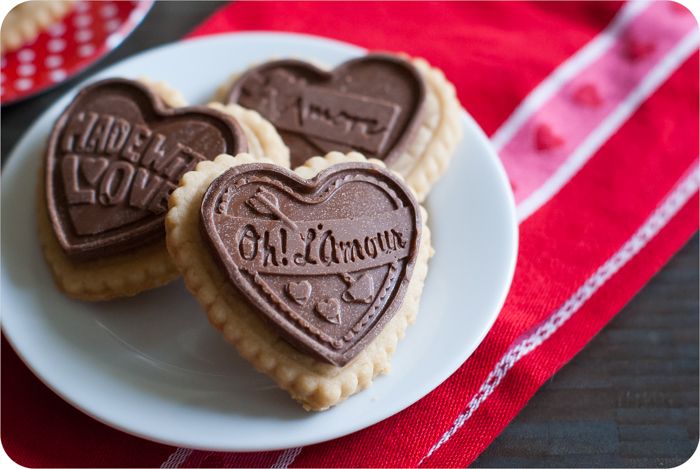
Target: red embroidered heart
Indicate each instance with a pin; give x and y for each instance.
(587, 95)
(678, 8)
(546, 139)
(114, 156)
(351, 234)
(372, 104)
(636, 49)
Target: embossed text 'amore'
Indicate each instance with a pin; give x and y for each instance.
(357, 121)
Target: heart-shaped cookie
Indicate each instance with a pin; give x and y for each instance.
(113, 158)
(326, 261)
(373, 104)
(312, 381)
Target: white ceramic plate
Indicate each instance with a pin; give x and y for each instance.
(152, 366)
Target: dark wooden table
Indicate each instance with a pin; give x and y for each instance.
(630, 398)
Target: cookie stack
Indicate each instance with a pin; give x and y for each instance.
(314, 273)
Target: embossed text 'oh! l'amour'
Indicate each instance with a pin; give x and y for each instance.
(322, 247)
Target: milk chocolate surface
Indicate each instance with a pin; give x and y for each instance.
(113, 158)
(372, 104)
(326, 261)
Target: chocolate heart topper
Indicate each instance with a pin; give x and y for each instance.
(326, 261)
(372, 104)
(113, 158)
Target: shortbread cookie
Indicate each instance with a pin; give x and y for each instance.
(113, 158)
(262, 137)
(25, 21)
(397, 109)
(170, 96)
(222, 91)
(313, 275)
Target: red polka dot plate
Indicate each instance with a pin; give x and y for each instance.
(87, 33)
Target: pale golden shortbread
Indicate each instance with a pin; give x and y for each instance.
(25, 21)
(170, 96)
(149, 266)
(315, 384)
(429, 153)
(440, 131)
(262, 137)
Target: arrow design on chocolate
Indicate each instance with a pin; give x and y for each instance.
(225, 201)
(265, 203)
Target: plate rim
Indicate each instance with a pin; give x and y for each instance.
(455, 363)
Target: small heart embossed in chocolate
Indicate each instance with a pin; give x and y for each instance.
(113, 158)
(329, 309)
(299, 291)
(372, 104)
(326, 261)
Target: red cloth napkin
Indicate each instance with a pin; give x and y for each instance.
(593, 107)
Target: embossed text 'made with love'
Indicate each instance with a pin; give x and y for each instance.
(114, 157)
(127, 163)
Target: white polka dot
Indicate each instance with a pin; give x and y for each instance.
(26, 70)
(82, 7)
(112, 25)
(2, 90)
(83, 35)
(53, 61)
(113, 40)
(57, 75)
(2, 78)
(23, 84)
(26, 55)
(57, 29)
(56, 45)
(82, 20)
(86, 50)
(108, 10)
